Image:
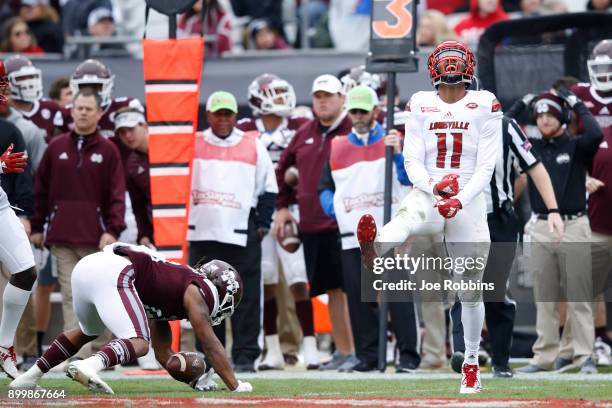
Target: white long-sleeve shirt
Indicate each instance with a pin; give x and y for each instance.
(461, 138)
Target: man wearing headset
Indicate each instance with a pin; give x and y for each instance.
(562, 267)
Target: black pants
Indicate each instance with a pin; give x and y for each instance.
(365, 316)
(499, 315)
(246, 320)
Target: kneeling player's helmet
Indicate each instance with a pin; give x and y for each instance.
(451, 63)
(25, 80)
(271, 95)
(228, 284)
(600, 66)
(95, 74)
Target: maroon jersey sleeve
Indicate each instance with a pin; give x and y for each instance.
(246, 124)
(161, 286)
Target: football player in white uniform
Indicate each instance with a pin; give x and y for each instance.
(451, 142)
(272, 100)
(15, 255)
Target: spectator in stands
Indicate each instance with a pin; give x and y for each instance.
(316, 10)
(82, 220)
(76, 15)
(483, 13)
(217, 23)
(60, 91)
(43, 20)
(17, 37)
(349, 24)
(100, 23)
(263, 37)
(433, 29)
(531, 8)
(554, 7)
(598, 5)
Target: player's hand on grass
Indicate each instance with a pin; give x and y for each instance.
(555, 224)
(37, 239)
(205, 382)
(244, 386)
(448, 207)
(448, 186)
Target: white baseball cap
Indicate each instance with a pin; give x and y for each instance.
(129, 119)
(327, 83)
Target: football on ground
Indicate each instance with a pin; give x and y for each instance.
(186, 366)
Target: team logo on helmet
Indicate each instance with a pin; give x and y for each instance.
(229, 287)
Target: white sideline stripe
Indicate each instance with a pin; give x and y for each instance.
(169, 171)
(161, 88)
(170, 129)
(170, 212)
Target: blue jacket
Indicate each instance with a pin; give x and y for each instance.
(326, 185)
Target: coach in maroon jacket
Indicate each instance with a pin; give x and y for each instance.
(308, 150)
(131, 128)
(79, 191)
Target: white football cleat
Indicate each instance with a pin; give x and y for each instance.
(80, 372)
(8, 362)
(470, 379)
(311, 354)
(274, 356)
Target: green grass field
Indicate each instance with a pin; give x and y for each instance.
(403, 390)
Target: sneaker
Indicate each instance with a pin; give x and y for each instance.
(456, 361)
(349, 364)
(80, 372)
(336, 361)
(365, 366)
(8, 362)
(562, 364)
(530, 369)
(470, 379)
(603, 352)
(502, 372)
(366, 234)
(408, 367)
(588, 367)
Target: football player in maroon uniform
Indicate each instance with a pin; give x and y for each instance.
(133, 292)
(597, 96)
(25, 83)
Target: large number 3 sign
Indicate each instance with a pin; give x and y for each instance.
(403, 24)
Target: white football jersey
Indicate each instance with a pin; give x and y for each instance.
(461, 138)
(4, 202)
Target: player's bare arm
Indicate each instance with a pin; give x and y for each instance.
(199, 317)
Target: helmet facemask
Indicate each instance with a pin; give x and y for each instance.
(451, 64)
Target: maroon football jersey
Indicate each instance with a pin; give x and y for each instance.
(47, 115)
(600, 215)
(161, 286)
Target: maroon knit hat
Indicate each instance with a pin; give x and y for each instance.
(549, 103)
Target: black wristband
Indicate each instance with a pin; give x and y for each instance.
(553, 210)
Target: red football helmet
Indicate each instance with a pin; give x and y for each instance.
(451, 63)
(228, 284)
(4, 85)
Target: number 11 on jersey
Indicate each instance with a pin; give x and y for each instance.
(455, 162)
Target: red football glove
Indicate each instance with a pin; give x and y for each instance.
(448, 207)
(13, 162)
(448, 186)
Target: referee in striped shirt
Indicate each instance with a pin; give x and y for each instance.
(504, 230)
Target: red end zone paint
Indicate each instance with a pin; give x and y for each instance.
(146, 402)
